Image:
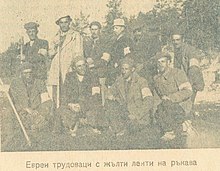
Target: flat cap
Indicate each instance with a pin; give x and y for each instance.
(31, 25)
(119, 22)
(162, 55)
(67, 16)
(96, 23)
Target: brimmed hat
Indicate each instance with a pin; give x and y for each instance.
(31, 25)
(67, 16)
(119, 22)
(162, 55)
(96, 23)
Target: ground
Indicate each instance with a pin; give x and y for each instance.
(206, 122)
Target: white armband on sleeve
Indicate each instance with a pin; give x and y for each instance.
(145, 92)
(43, 52)
(185, 85)
(45, 97)
(95, 90)
(106, 57)
(127, 51)
(194, 62)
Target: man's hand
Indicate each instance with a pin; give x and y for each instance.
(43, 52)
(106, 57)
(74, 107)
(31, 111)
(131, 117)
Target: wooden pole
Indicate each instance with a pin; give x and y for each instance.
(17, 116)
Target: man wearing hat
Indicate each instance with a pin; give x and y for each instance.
(132, 93)
(119, 47)
(187, 58)
(175, 91)
(32, 103)
(123, 43)
(36, 51)
(64, 49)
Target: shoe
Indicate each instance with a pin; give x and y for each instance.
(168, 136)
(96, 131)
(121, 133)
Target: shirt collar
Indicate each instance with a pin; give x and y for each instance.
(80, 77)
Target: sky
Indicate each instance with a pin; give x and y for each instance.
(15, 13)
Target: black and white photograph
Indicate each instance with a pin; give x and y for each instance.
(102, 75)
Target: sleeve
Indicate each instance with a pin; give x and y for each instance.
(194, 73)
(53, 46)
(184, 87)
(13, 94)
(43, 92)
(196, 78)
(78, 46)
(69, 94)
(148, 100)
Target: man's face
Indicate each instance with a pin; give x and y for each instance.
(32, 33)
(162, 64)
(95, 31)
(64, 24)
(177, 41)
(137, 33)
(118, 30)
(80, 67)
(27, 75)
(126, 70)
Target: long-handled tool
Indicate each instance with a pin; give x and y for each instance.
(17, 116)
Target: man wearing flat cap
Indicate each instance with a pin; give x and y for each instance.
(64, 49)
(175, 91)
(36, 51)
(33, 104)
(132, 93)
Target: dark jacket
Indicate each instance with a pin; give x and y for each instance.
(33, 56)
(119, 45)
(79, 92)
(187, 58)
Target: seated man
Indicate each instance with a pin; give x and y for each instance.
(81, 100)
(31, 101)
(133, 95)
(174, 90)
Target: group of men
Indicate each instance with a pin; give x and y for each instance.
(123, 84)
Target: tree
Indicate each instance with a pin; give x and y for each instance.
(114, 11)
(81, 23)
(201, 20)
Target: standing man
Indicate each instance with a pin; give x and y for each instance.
(187, 58)
(174, 90)
(121, 46)
(36, 51)
(66, 47)
(95, 49)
